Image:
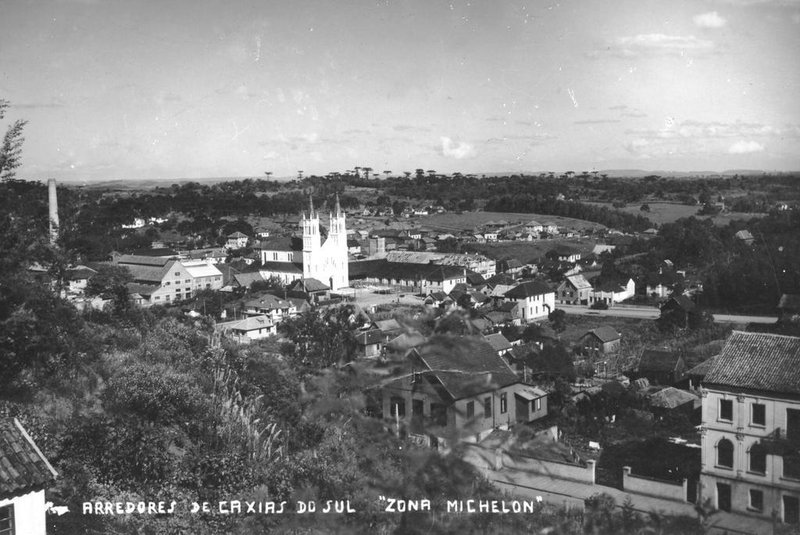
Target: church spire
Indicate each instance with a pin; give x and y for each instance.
(338, 208)
(310, 206)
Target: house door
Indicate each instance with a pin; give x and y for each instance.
(417, 410)
(791, 510)
(723, 497)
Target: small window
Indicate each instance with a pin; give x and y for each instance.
(758, 414)
(503, 403)
(7, 520)
(793, 425)
(756, 499)
(539, 404)
(470, 409)
(397, 407)
(177, 273)
(791, 466)
(726, 409)
(487, 407)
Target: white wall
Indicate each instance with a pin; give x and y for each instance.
(29, 513)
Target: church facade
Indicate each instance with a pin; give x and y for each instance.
(325, 261)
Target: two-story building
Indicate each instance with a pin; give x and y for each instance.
(751, 428)
(574, 290)
(161, 281)
(459, 388)
(535, 300)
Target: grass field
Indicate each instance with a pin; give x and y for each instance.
(528, 252)
(665, 212)
(470, 220)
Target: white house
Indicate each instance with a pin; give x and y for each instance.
(248, 329)
(612, 292)
(535, 300)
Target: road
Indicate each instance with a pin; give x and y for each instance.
(644, 312)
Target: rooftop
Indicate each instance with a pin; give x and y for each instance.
(760, 361)
(23, 468)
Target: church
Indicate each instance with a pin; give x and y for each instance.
(326, 262)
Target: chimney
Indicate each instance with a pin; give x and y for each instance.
(53, 204)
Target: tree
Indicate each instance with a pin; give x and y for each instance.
(557, 318)
(12, 145)
(108, 279)
(645, 207)
(321, 338)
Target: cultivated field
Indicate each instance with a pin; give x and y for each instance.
(528, 252)
(666, 212)
(470, 220)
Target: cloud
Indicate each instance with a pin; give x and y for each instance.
(785, 3)
(746, 147)
(597, 121)
(709, 20)
(654, 44)
(410, 128)
(459, 150)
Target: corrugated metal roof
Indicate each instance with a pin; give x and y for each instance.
(23, 468)
(760, 361)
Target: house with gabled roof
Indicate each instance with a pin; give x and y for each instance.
(236, 240)
(661, 366)
(574, 290)
(25, 474)
(163, 281)
(248, 329)
(750, 436)
(535, 300)
(458, 387)
(272, 306)
(602, 340)
(499, 342)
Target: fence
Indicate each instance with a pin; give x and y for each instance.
(650, 486)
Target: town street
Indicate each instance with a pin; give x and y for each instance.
(645, 312)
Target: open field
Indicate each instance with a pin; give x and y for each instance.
(470, 220)
(528, 251)
(667, 212)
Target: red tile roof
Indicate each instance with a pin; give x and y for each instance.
(760, 361)
(23, 468)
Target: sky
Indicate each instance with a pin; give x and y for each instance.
(171, 89)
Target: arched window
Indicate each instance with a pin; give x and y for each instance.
(758, 458)
(725, 453)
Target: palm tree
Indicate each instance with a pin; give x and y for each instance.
(268, 173)
(367, 171)
(387, 173)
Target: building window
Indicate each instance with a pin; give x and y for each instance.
(177, 273)
(470, 409)
(758, 414)
(439, 414)
(756, 499)
(725, 453)
(758, 459)
(791, 510)
(503, 403)
(487, 407)
(791, 466)
(539, 404)
(7, 520)
(793, 425)
(726, 409)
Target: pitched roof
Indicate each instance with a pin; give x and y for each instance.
(498, 341)
(658, 360)
(760, 361)
(528, 289)
(282, 267)
(308, 285)
(23, 468)
(465, 366)
(605, 333)
(371, 337)
(671, 397)
(252, 323)
(681, 301)
(141, 260)
(201, 269)
(268, 302)
(247, 279)
(579, 282)
(281, 243)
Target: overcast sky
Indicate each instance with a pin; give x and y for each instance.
(192, 88)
